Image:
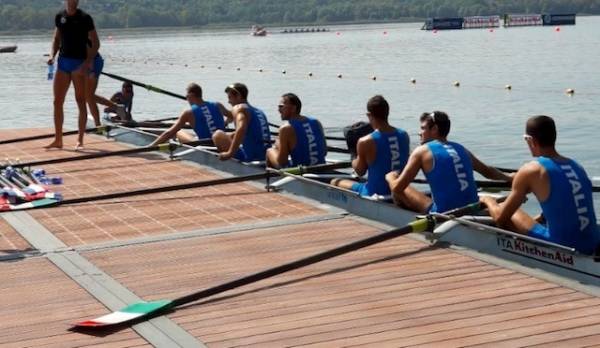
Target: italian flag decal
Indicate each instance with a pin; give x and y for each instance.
(126, 314)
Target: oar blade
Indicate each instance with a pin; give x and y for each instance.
(127, 314)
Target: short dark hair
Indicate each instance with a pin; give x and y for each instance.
(195, 89)
(294, 100)
(238, 88)
(439, 119)
(127, 84)
(378, 107)
(542, 129)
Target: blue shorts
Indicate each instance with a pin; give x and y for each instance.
(357, 187)
(539, 231)
(68, 65)
(241, 155)
(97, 66)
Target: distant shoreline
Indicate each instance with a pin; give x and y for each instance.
(236, 26)
(241, 26)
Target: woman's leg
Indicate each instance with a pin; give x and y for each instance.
(62, 81)
(91, 84)
(79, 82)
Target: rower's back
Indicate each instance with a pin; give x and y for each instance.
(310, 148)
(569, 207)
(451, 176)
(563, 189)
(258, 136)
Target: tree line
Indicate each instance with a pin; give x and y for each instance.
(39, 14)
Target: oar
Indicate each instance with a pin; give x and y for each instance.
(147, 124)
(494, 184)
(145, 310)
(100, 130)
(143, 85)
(204, 183)
(161, 147)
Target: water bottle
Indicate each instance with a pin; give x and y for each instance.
(50, 72)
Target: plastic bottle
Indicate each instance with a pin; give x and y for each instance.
(50, 72)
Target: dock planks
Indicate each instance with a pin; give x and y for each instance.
(399, 293)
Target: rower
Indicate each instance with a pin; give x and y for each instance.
(448, 167)
(204, 117)
(252, 137)
(384, 150)
(561, 186)
(302, 138)
(120, 103)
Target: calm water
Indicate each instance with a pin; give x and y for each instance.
(539, 63)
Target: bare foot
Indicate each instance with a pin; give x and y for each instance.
(54, 145)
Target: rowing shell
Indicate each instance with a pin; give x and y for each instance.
(540, 258)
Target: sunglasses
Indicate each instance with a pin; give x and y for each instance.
(232, 88)
(432, 115)
(280, 106)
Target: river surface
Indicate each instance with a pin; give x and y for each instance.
(540, 63)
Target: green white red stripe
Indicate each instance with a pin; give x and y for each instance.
(126, 314)
(28, 205)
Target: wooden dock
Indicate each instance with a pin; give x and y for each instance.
(62, 265)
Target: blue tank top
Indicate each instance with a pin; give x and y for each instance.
(207, 119)
(258, 136)
(569, 209)
(451, 178)
(392, 151)
(310, 146)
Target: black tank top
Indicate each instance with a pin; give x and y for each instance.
(73, 31)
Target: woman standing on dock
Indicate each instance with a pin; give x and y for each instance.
(74, 28)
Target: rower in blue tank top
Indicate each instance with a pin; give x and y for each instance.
(204, 117)
(251, 138)
(257, 138)
(301, 141)
(378, 153)
(451, 177)
(207, 119)
(448, 167)
(561, 186)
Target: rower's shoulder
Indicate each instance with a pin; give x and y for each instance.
(420, 150)
(531, 170)
(286, 129)
(240, 108)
